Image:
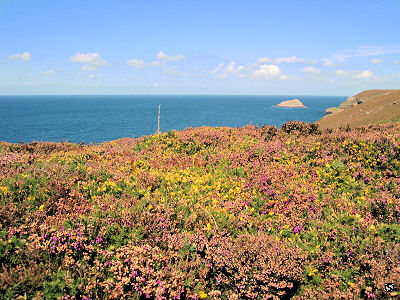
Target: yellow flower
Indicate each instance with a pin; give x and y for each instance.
(203, 295)
(150, 207)
(208, 227)
(41, 207)
(312, 272)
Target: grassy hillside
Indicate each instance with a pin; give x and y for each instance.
(377, 107)
(204, 213)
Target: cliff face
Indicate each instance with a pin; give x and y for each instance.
(367, 107)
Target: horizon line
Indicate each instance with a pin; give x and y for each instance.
(255, 95)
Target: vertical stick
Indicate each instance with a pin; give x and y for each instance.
(159, 111)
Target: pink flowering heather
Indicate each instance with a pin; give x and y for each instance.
(244, 213)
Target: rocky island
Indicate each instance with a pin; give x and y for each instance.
(291, 103)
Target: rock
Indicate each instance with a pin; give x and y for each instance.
(350, 102)
(291, 103)
(332, 110)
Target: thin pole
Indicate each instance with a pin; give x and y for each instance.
(159, 112)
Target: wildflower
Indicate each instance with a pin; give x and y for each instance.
(41, 207)
(298, 229)
(312, 272)
(203, 295)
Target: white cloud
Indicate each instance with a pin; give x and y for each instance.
(342, 72)
(162, 56)
(137, 63)
(366, 51)
(356, 74)
(376, 61)
(290, 59)
(364, 74)
(156, 85)
(311, 70)
(265, 71)
(328, 63)
(89, 68)
(91, 76)
(230, 68)
(217, 69)
(268, 72)
(92, 59)
(48, 72)
(156, 64)
(174, 71)
(26, 56)
(223, 70)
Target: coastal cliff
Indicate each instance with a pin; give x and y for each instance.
(367, 107)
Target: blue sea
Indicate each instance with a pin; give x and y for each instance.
(104, 118)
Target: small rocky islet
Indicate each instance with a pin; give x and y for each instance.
(291, 103)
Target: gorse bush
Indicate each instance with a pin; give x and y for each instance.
(244, 213)
(301, 128)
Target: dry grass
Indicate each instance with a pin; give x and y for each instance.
(379, 106)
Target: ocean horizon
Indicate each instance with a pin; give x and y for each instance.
(100, 118)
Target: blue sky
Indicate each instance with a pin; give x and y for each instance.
(198, 47)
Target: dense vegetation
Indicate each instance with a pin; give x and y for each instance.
(204, 213)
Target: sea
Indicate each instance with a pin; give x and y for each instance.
(99, 118)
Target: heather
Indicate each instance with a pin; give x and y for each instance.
(238, 213)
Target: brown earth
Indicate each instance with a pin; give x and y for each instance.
(365, 108)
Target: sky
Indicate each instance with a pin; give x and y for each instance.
(261, 47)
